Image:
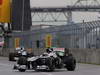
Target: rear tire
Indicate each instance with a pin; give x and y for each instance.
(70, 63)
(71, 67)
(11, 56)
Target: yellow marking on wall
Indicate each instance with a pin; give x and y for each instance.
(48, 40)
(17, 42)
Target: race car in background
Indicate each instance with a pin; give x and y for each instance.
(13, 56)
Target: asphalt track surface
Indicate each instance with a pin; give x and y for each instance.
(6, 68)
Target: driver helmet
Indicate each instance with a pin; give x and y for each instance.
(48, 50)
(22, 49)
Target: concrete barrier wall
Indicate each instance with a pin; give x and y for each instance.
(91, 56)
(6, 51)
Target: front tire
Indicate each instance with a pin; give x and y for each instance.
(22, 61)
(22, 70)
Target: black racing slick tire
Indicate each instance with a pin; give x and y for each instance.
(72, 66)
(22, 60)
(22, 70)
(70, 63)
(11, 56)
